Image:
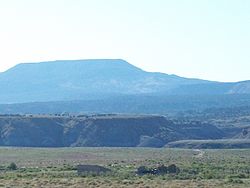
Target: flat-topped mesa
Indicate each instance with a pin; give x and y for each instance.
(110, 131)
(81, 79)
(99, 79)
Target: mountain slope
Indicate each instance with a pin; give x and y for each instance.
(98, 79)
(196, 105)
(82, 79)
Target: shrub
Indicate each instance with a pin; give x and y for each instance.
(173, 169)
(12, 166)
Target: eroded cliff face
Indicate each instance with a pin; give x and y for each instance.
(105, 130)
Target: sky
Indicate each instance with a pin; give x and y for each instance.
(207, 39)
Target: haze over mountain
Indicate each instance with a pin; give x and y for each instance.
(95, 79)
(55, 103)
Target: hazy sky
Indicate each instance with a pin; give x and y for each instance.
(207, 39)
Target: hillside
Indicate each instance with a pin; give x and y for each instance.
(82, 79)
(245, 134)
(99, 79)
(99, 131)
(195, 105)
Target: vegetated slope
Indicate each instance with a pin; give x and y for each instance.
(241, 87)
(82, 79)
(196, 105)
(99, 79)
(110, 131)
(210, 144)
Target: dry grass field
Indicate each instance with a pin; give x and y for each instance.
(56, 167)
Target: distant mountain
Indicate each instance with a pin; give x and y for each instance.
(240, 88)
(82, 79)
(99, 79)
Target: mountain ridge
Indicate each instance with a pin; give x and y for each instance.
(96, 78)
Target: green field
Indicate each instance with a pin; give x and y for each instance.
(55, 167)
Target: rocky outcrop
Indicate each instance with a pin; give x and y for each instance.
(99, 131)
